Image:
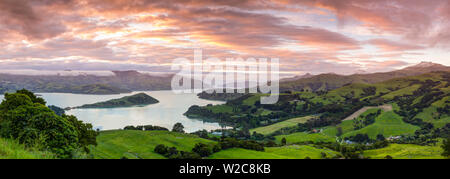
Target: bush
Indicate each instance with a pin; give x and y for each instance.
(146, 128)
(161, 149)
(202, 149)
(245, 144)
(173, 153)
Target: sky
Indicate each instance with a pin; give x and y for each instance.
(308, 36)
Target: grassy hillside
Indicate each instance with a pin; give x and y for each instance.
(11, 149)
(286, 152)
(301, 152)
(406, 151)
(431, 114)
(238, 153)
(140, 144)
(305, 137)
(388, 124)
(277, 126)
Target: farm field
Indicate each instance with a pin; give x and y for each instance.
(279, 125)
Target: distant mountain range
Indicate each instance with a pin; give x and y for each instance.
(333, 81)
(330, 81)
(120, 82)
(307, 75)
(127, 81)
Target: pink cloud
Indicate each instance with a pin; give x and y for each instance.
(388, 45)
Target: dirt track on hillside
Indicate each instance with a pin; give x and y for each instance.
(385, 107)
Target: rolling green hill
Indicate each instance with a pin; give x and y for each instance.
(140, 144)
(286, 152)
(388, 124)
(279, 125)
(299, 137)
(238, 153)
(424, 96)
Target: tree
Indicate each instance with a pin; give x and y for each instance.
(178, 127)
(33, 97)
(58, 111)
(86, 134)
(388, 157)
(446, 147)
(24, 117)
(38, 125)
(283, 141)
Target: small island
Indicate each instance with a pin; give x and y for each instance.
(140, 99)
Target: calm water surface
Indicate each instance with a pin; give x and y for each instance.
(166, 113)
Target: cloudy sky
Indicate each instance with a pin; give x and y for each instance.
(316, 36)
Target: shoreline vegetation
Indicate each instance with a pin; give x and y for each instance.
(140, 99)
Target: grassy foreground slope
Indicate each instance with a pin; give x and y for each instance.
(406, 151)
(140, 144)
(277, 126)
(286, 152)
(10, 149)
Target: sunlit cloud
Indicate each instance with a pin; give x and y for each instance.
(308, 36)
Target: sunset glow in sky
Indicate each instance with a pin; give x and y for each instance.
(316, 36)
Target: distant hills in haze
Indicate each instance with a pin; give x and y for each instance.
(333, 81)
(120, 82)
(131, 80)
